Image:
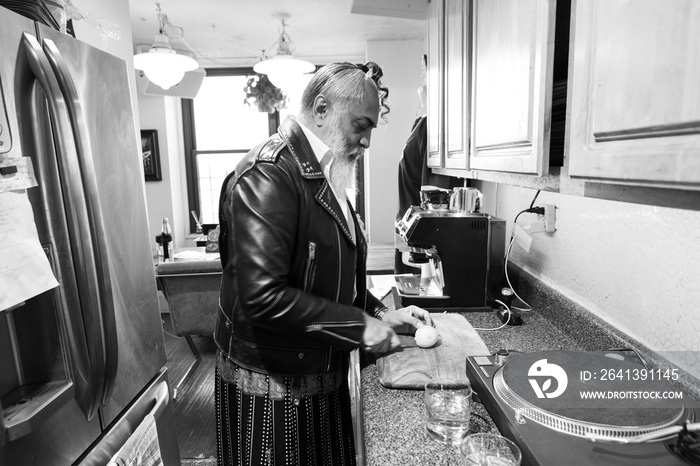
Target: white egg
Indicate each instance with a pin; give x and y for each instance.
(426, 336)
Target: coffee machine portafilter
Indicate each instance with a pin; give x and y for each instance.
(467, 252)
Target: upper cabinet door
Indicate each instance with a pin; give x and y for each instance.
(436, 115)
(635, 92)
(512, 89)
(457, 82)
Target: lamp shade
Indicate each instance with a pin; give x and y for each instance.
(283, 64)
(282, 70)
(162, 65)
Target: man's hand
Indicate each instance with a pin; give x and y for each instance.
(378, 337)
(406, 320)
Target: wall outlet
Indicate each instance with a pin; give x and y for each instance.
(550, 217)
(535, 227)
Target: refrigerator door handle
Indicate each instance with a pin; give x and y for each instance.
(97, 228)
(77, 218)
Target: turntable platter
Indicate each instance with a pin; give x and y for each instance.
(540, 408)
(582, 393)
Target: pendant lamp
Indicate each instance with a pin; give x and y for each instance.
(283, 70)
(162, 65)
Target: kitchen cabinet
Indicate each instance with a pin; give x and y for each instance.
(436, 63)
(513, 62)
(588, 98)
(635, 92)
(449, 83)
(457, 83)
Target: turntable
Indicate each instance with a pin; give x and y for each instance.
(588, 408)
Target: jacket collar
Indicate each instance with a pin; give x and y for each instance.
(310, 168)
(300, 148)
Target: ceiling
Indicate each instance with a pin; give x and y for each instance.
(235, 32)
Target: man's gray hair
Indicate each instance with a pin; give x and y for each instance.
(341, 82)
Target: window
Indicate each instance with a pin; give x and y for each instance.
(219, 129)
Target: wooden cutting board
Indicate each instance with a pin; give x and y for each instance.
(414, 366)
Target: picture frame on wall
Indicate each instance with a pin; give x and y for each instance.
(150, 155)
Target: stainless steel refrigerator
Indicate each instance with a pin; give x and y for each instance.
(82, 366)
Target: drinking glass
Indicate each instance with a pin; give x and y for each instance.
(489, 450)
(448, 403)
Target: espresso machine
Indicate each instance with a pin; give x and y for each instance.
(465, 252)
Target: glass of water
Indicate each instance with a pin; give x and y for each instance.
(489, 450)
(448, 403)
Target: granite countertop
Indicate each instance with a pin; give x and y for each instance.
(394, 420)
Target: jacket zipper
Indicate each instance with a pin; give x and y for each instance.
(309, 271)
(340, 264)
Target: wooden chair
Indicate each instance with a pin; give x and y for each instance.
(191, 289)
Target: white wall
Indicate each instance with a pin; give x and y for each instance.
(401, 63)
(158, 113)
(635, 266)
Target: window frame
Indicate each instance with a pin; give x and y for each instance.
(190, 142)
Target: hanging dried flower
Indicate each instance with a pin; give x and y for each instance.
(260, 92)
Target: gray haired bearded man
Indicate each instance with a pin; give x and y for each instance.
(294, 300)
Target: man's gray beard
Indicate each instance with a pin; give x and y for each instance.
(343, 169)
(342, 176)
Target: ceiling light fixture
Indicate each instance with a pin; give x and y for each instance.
(162, 65)
(283, 70)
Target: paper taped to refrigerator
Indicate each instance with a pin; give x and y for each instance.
(24, 268)
(16, 173)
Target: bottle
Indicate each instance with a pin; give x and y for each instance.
(165, 243)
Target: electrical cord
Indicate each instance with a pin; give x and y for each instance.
(504, 324)
(514, 234)
(531, 210)
(517, 217)
(510, 246)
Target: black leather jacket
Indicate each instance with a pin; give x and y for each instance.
(289, 263)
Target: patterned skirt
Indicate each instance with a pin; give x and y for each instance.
(268, 420)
